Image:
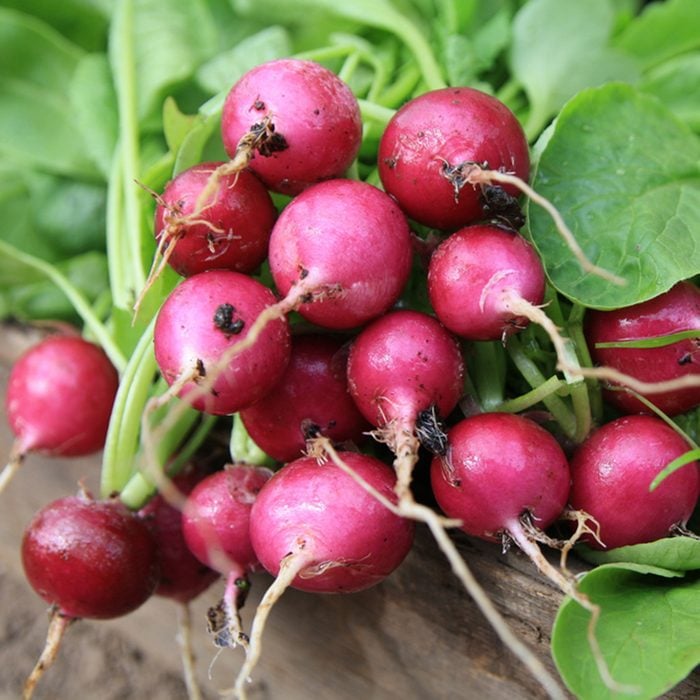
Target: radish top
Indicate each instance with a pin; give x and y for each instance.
(437, 132)
(612, 471)
(499, 467)
(60, 395)
(348, 238)
(314, 115)
(319, 512)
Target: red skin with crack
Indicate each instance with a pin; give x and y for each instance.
(183, 577)
(313, 391)
(401, 364)
(676, 310)
(216, 516)
(453, 125)
(468, 274)
(241, 210)
(351, 540)
(92, 559)
(500, 466)
(342, 234)
(612, 471)
(313, 109)
(185, 333)
(60, 395)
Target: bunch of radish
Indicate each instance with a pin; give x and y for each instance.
(328, 349)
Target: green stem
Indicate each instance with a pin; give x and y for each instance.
(116, 253)
(244, 449)
(532, 375)
(118, 461)
(371, 110)
(575, 332)
(535, 396)
(76, 298)
(488, 363)
(402, 88)
(124, 67)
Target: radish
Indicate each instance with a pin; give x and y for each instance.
(431, 138)
(612, 472)
(674, 311)
(215, 525)
(86, 558)
(507, 479)
(230, 232)
(59, 400)
(311, 398)
(341, 253)
(314, 528)
(201, 343)
(484, 282)
(302, 121)
(400, 365)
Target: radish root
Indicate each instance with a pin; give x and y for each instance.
(58, 624)
(184, 640)
(14, 462)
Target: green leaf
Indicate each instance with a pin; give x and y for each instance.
(561, 47)
(677, 84)
(37, 124)
(674, 553)
(222, 71)
(176, 124)
(170, 41)
(625, 175)
(648, 631)
(663, 30)
(94, 107)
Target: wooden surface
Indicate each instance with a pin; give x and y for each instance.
(415, 636)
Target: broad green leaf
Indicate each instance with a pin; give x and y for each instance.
(37, 124)
(84, 22)
(675, 553)
(625, 175)
(663, 30)
(561, 47)
(222, 71)
(176, 124)
(164, 43)
(677, 84)
(94, 107)
(648, 631)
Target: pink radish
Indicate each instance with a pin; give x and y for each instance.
(483, 282)
(431, 139)
(231, 233)
(86, 558)
(612, 472)
(400, 365)
(506, 478)
(303, 121)
(195, 333)
(341, 252)
(59, 400)
(215, 525)
(311, 398)
(314, 528)
(674, 311)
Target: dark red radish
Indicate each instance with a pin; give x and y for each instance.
(341, 252)
(196, 330)
(432, 138)
(478, 279)
(674, 311)
(183, 577)
(87, 559)
(303, 119)
(59, 400)
(215, 525)
(399, 366)
(611, 475)
(316, 529)
(231, 233)
(311, 398)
